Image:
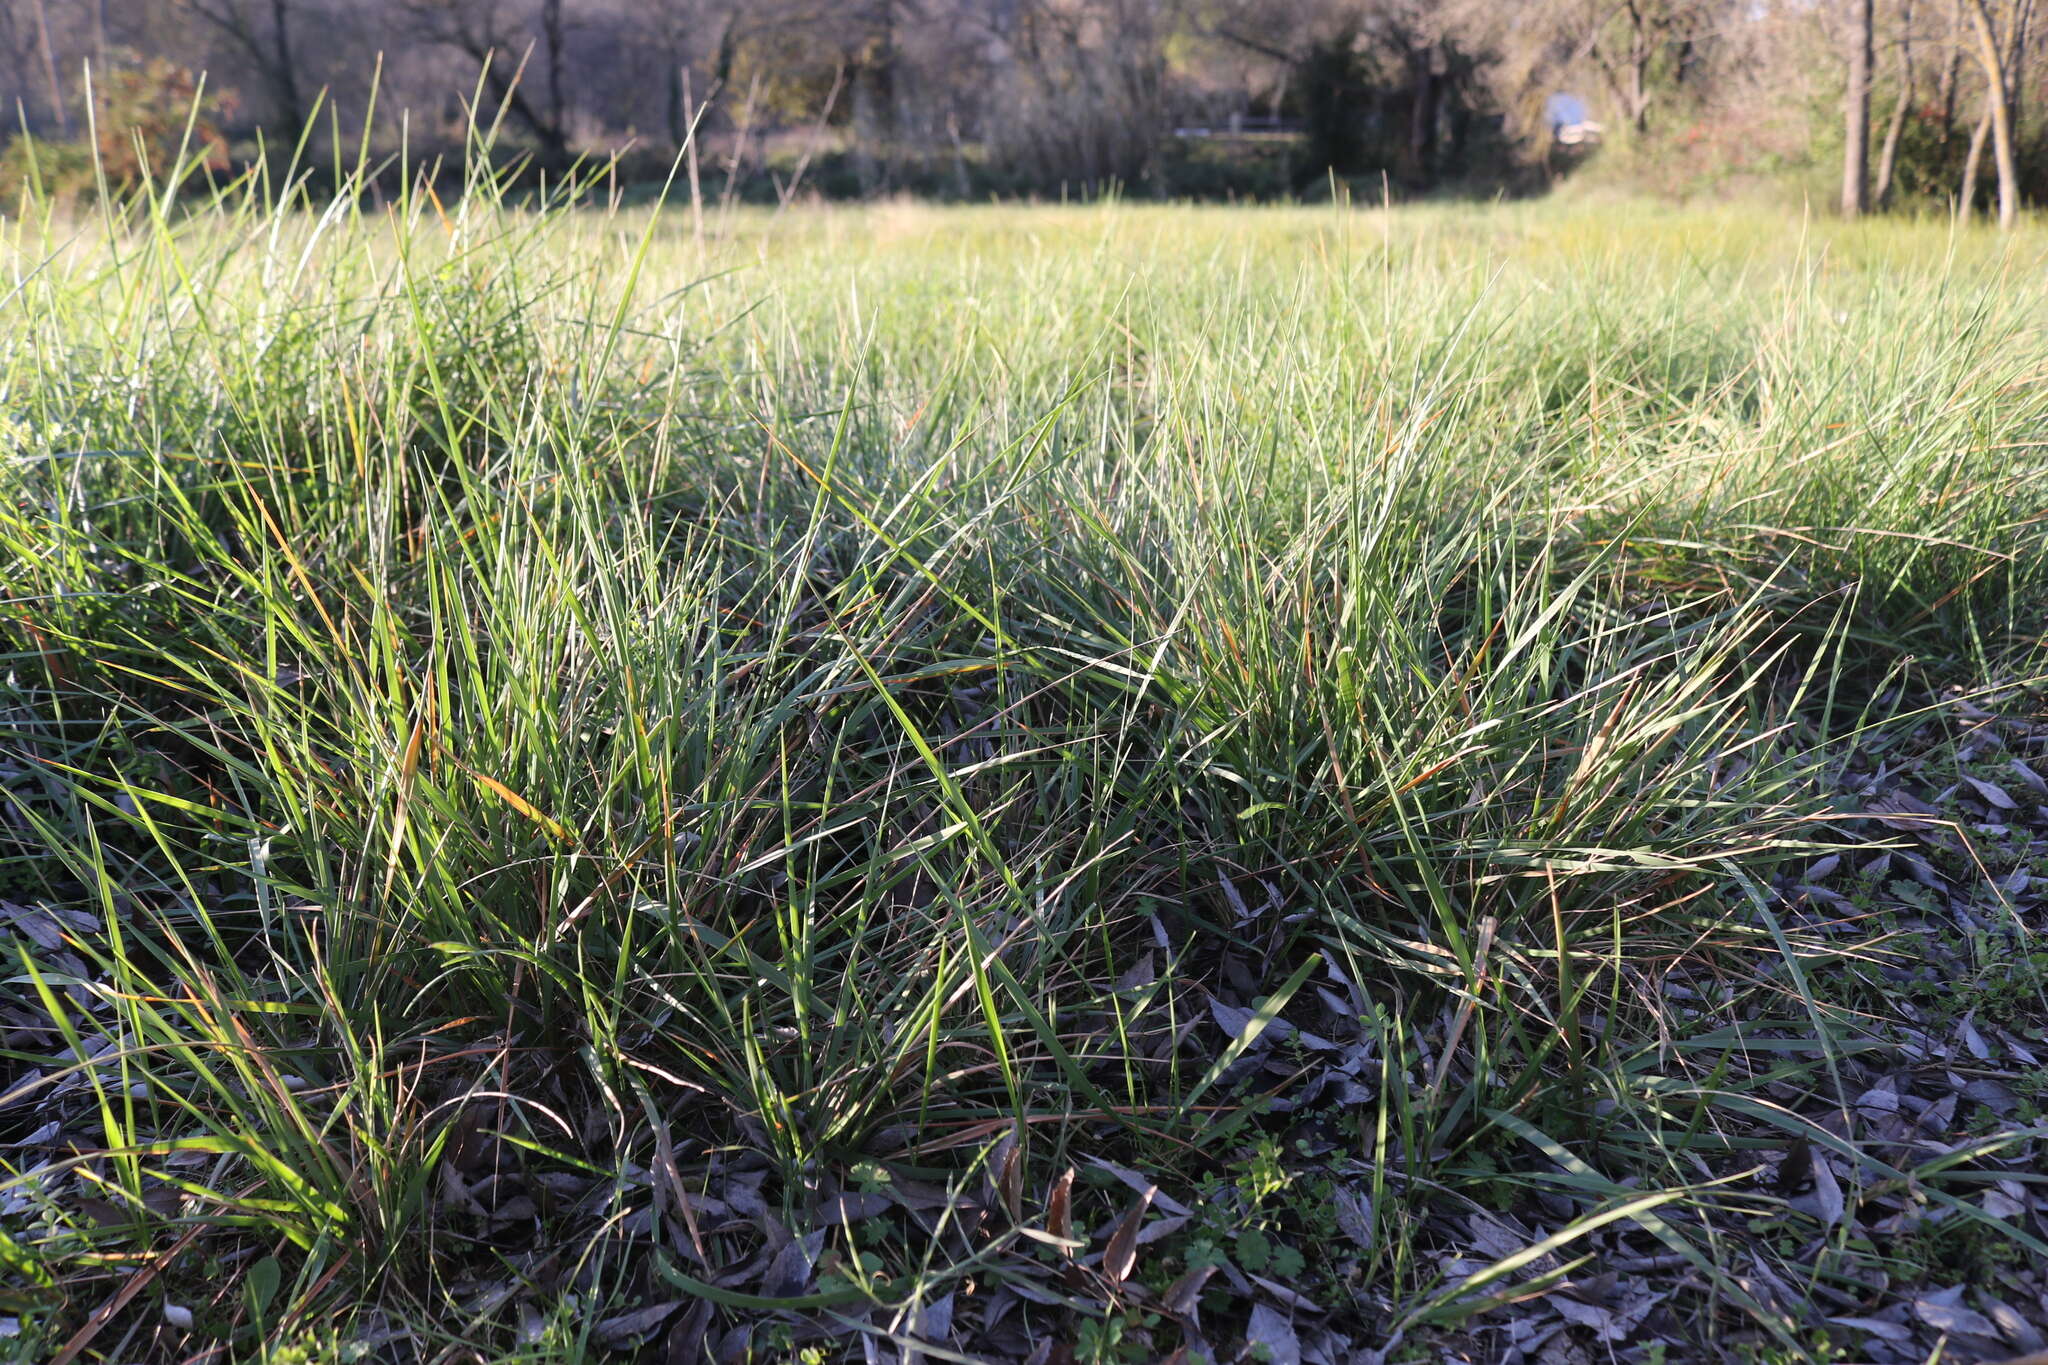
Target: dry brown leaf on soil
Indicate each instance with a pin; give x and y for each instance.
(629, 1328)
(1270, 1329)
(1122, 1254)
(1059, 1207)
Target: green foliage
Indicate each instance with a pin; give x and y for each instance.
(515, 696)
(151, 119)
(42, 168)
(1335, 85)
(154, 118)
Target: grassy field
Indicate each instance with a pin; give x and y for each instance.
(1002, 784)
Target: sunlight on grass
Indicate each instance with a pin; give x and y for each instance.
(548, 760)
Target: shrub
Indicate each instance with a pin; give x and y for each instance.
(145, 113)
(40, 166)
(142, 113)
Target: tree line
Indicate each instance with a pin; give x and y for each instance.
(1916, 101)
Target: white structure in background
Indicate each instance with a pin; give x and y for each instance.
(1569, 124)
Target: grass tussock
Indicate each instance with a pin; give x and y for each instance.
(569, 784)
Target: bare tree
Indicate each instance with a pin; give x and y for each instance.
(1082, 84)
(872, 57)
(1856, 110)
(1991, 56)
(1950, 68)
(478, 30)
(1973, 161)
(19, 55)
(1624, 43)
(1888, 156)
(1033, 93)
(2019, 33)
(50, 69)
(675, 28)
(1640, 51)
(551, 46)
(269, 50)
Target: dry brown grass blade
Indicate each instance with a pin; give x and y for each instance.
(105, 1313)
(1487, 927)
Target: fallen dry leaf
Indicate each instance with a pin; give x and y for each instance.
(627, 1329)
(1270, 1329)
(1122, 1253)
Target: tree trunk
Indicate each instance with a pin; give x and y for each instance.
(2016, 66)
(675, 101)
(962, 186)
(551, 34)
(1966, 200)
(507, 93)
(1641, 52)
(1628, 76)
(50, 70)
(1989, 55)
(1422, 115)
(291, 104)
(866, 119)
(1639, 91)
(1856, 145)
(19, 58)
(270, 54)
(1888, 158)
(874, 75)
(1949, 69)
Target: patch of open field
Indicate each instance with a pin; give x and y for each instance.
(1021, 784)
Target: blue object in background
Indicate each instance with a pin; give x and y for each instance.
(1565, 111)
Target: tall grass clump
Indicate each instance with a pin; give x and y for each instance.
(550, 760)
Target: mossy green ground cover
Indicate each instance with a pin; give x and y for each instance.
(576, 784)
